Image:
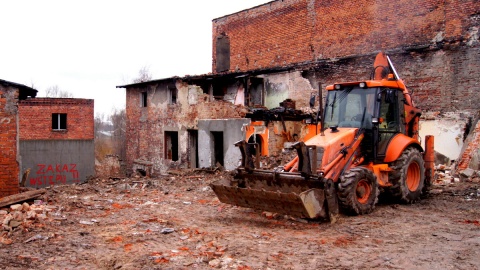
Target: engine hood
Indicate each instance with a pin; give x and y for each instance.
(332, 142)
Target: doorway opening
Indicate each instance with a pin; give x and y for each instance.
(192, 150)
(171, 145)
(217, 148)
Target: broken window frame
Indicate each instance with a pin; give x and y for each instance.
(143, 99)
(172, 95)
(256, 87)
(59, 121)
(219, 89)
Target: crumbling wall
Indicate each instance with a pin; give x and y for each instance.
(9, 158)
(109, 167)
(232, 131)
(439, 81)
(449, 131)
(146, 126)
(283, 32)
(471, 152)
(434, 45)
(288, 85)
(443, 80)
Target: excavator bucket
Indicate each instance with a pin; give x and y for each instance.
(284, 193)
(300, 194)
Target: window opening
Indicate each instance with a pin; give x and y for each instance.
(142, 172)
(256, 96)
(173, 95)
(220, 89)
(171, 145)
(59, 121)
(143, 99)
(223, 53)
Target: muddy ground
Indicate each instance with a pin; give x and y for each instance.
(176, 222)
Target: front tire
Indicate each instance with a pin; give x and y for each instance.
(358, 191)
(408, 176)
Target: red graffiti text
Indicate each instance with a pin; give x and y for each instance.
(52, 174)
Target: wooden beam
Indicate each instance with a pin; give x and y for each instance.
(20, 197)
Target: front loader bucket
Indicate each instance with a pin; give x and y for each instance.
(284, 193)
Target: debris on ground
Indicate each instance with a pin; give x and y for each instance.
(176, 222)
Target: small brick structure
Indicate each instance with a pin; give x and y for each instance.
(10, 93)
(57, 140)
(36, 119)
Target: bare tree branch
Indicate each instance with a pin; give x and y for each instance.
(143, 75)
(56, 92)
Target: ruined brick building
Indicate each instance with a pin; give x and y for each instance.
(10, 94)
(57, 140)
(43, 141)
(286, 50)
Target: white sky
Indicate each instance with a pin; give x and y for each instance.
(88, 47)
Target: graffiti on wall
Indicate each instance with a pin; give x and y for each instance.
(54, 174)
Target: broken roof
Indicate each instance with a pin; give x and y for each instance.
(25, 91)
(324, 63)
(224, 75)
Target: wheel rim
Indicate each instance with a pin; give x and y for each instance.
(363, 191)
(413, 176)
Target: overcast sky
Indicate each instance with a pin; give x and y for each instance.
(89, 47)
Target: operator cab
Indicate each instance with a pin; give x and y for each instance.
(350, 106)
(377, 110)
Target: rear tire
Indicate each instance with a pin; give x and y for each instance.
(358, 191)
(408, 176)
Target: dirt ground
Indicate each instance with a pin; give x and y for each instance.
(176, 222)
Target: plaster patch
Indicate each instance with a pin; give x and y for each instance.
(448, 136)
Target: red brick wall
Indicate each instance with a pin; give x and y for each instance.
(36, 119)
(296, 31)
(441, 80)
(9, 167)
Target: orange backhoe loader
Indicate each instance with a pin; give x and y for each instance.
(366, 142)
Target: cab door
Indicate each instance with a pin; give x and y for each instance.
(390, 121)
